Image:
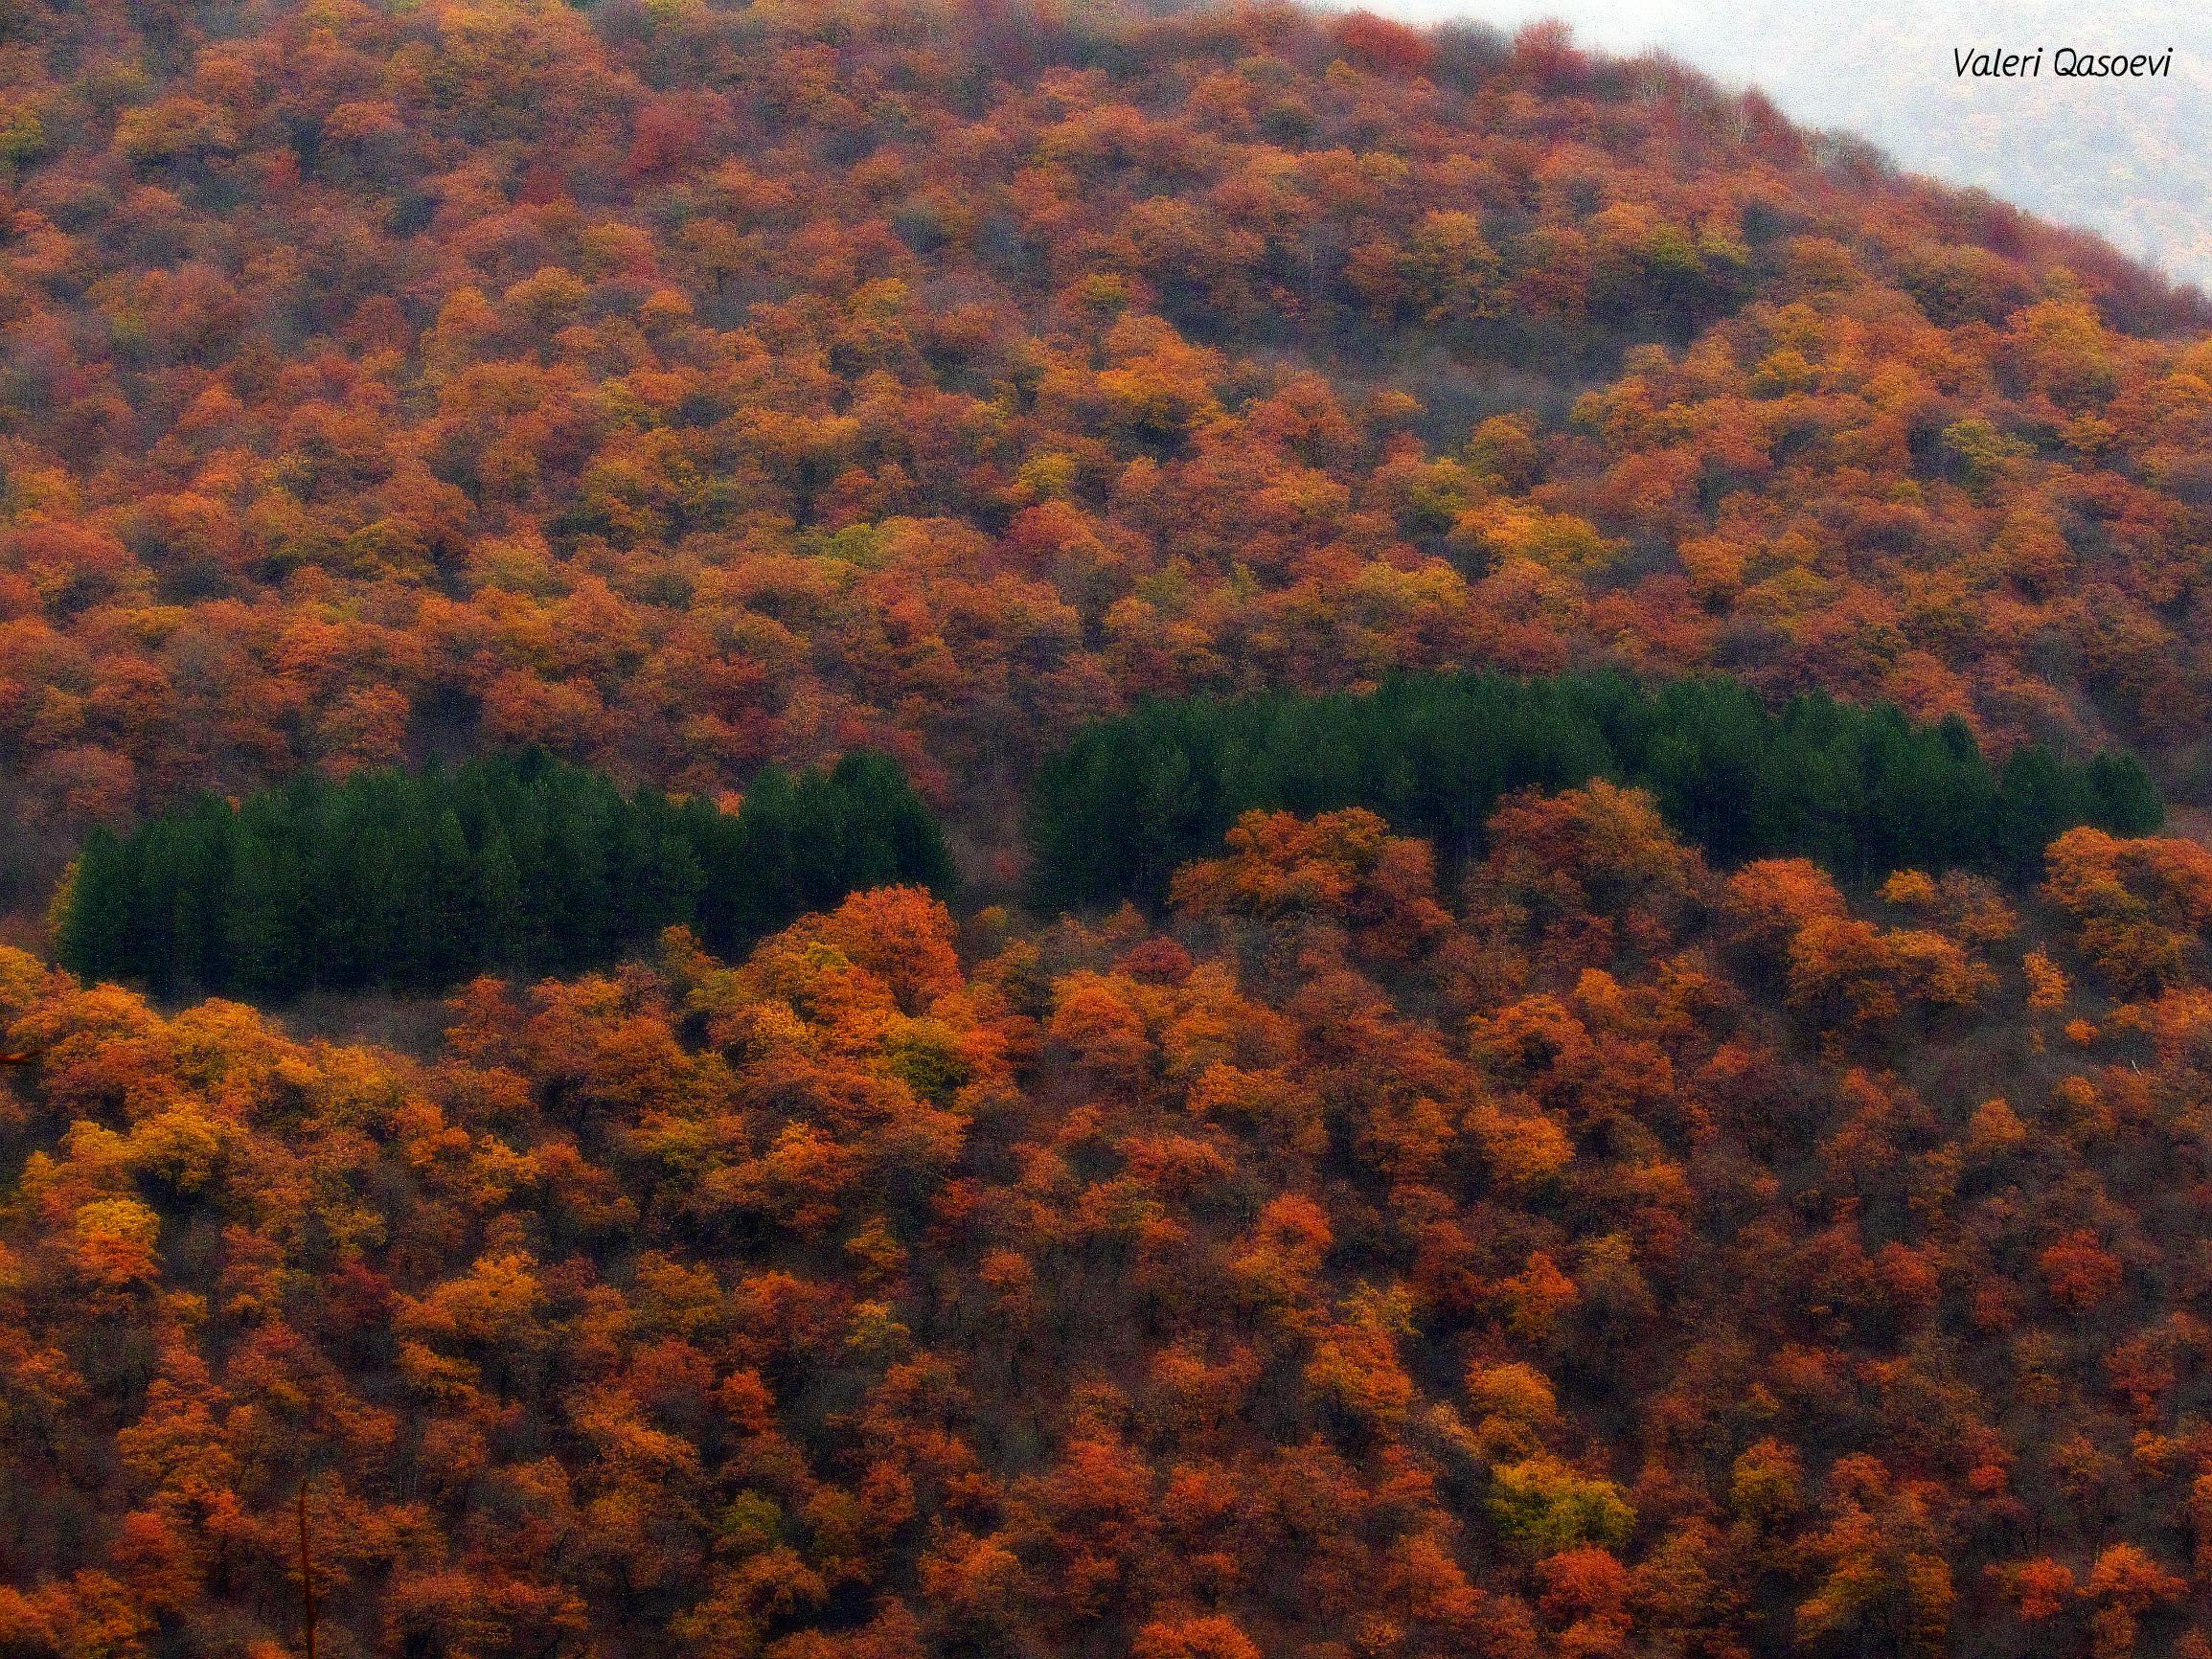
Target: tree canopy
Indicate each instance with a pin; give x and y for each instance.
(1862, 790)
(418, 880)
(1603, 1256)
(690, 386)
(1576, 604)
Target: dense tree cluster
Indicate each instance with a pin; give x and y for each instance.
(1863, 790)
(1607, 1257)
(687, 385)
(418, 880)
(1687, 1210)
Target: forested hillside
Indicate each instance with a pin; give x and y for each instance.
(1628, 1075)
(685, 386)
(1609, 1259)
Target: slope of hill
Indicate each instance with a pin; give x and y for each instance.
(1618, 1261)
(686, 386)
(1603, 1255)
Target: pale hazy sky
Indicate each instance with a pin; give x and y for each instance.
(2130, 159)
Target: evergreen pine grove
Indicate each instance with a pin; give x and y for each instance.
(1861, 789)
(416, 880)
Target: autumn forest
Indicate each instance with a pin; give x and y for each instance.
(878, 829)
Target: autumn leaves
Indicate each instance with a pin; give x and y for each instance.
(1551, 1260)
